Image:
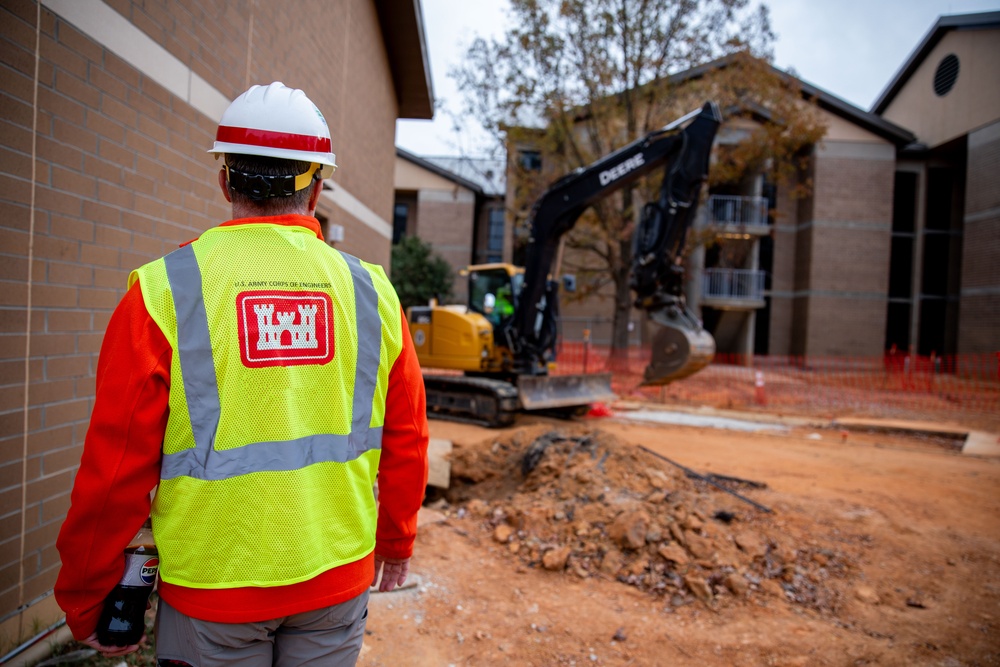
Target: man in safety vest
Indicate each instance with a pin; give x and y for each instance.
(260, 380)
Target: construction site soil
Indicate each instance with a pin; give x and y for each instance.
(617, 542)
(576, 543)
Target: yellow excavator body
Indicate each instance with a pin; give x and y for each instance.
(453, 338)
(470, 339)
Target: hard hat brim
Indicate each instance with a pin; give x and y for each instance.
(328, 161)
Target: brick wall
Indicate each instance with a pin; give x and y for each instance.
(335, 59)
(786, 218)
(842, 258)
(854, 190)
(979, 308)
(209, 36)
(843, 326)
(444, 219)
(121, 177)
(849, 260)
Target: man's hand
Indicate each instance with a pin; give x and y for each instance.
(111, 651)
(394, 571)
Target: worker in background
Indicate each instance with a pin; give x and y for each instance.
(505, 302)
(261, 379)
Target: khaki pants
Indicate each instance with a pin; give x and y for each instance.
(331, 636)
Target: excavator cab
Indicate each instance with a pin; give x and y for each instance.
(493, 290)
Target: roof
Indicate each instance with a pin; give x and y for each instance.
(440, 171)
(944, 25)
(488, 173)
(406, 45)
(826, 100)
(866, 119)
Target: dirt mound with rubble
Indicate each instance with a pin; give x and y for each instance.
(581, 502)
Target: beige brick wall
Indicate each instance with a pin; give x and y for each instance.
(843, 327)
(786, 217)
(339, 57)
(121, 177)
(850, 260)
(842, 252)
(444, 219)
(854, 190)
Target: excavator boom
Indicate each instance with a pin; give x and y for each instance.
(681, 346)
(503, 341)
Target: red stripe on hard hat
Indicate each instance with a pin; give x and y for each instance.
(286, 140)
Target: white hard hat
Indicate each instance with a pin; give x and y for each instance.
(276, 121)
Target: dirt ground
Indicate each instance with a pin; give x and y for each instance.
(565, 543)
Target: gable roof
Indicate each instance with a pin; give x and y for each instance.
(406, 46)
(488, 173)
(440, 171)
(826, 100)
(944, 25)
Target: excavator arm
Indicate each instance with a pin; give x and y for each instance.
(680, 346)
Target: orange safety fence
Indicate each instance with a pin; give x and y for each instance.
(892, 386)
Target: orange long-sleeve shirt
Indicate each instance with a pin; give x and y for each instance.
(121, 465)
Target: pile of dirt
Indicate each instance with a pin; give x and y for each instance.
(580, 502)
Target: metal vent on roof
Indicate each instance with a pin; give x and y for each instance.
(946, 74)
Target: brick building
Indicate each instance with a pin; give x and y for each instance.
(108, 108)
(454, 204)
(826, 255)
(944, 287)
(897, 243)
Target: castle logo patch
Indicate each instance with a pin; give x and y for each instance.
(278, 328)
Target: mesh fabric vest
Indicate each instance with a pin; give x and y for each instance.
(282, 348)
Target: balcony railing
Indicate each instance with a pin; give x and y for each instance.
(733, 285)
(739, 211)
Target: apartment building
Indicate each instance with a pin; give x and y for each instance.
(108, 108)
(944, 266)
(456, 204)
(787, 274)
(898, 246)
(895, 246)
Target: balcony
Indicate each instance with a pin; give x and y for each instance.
(732, 288)
(738, 215)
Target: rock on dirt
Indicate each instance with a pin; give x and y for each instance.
(580, 502)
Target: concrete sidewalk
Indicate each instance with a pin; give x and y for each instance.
(981, 443)
(975, 443)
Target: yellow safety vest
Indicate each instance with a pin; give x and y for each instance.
(282, 348)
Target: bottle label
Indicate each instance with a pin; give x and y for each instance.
(140, 570)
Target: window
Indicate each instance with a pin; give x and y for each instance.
(530, 160)
(493, 293)
(494, 239)
(400, 214)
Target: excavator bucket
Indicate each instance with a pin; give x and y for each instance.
(548, 392)
(681, 347)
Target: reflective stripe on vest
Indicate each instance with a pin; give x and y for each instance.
(202, 392)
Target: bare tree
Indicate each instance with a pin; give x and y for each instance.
(576, 79)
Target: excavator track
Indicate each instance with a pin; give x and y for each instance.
(472, 400)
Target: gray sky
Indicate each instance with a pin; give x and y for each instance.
(850, 48)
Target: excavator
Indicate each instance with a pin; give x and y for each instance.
(498, 349)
